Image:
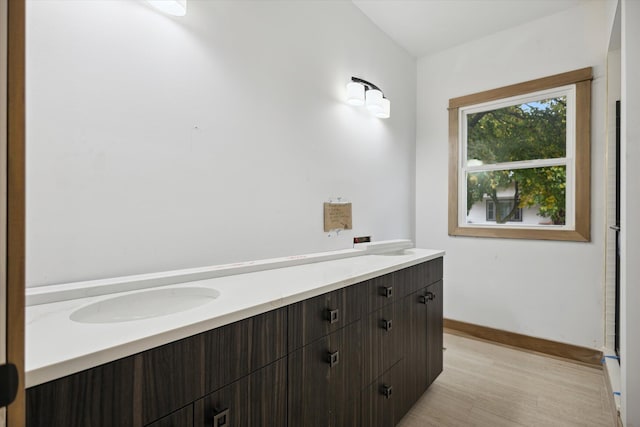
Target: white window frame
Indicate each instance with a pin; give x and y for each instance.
(568, 161)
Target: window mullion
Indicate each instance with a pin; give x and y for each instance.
(528, 164)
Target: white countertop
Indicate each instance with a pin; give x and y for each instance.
(57, 346)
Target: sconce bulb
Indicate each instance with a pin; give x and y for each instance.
(355, 93)
(374, 101)
(172, 7)
(385, 113)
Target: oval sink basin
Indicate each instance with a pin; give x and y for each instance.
(144, 305)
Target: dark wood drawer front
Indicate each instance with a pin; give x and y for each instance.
(180, 418)
(383, 340)
(245, 346)
(309, 391)
(101, 396)
(325, 380)
(381, 291)
(172, 376)
(316, 317)
(434, 270)
(259, 399)
(420, 275)
(385, 400)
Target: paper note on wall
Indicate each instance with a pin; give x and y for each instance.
(337, 216)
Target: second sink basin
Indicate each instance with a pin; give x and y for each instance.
(144, 305)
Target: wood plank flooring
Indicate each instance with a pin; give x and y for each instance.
(484, 384)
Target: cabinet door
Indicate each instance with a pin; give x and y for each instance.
(434, 331)
(384, 401)
(319, 316)
(416, 345)
(181, 418)
(101, 396)
(383, 340)
(325, 380)
(258, 399)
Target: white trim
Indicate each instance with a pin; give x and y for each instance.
(521, 99)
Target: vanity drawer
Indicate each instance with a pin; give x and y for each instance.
(382, 291)
(317, 317)
(100, 396)
(324, 380)
(178, 373)
(240, 348)
(258, 399)
(383, 340)
(169, 377)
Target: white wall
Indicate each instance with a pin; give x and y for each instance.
(158, 143)
(630, 235)
(551, 290)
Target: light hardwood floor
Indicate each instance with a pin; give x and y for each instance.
(489, 385)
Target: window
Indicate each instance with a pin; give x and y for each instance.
(519, 162)
(507, 211)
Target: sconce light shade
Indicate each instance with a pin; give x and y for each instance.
(374, 101)
(385, 113)
(362, 92)
(355, 93)
(172, 7)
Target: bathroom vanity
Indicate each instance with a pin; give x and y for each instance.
(354, 343)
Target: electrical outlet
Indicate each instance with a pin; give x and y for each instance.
(361, 239)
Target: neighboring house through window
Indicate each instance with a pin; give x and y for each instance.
(505, 206)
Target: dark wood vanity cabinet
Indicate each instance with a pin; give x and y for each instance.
(357, 356)
(149, 387)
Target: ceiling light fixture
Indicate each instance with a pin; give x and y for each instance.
(172, 7)
(362, 92)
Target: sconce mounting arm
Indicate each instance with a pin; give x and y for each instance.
(367, 84)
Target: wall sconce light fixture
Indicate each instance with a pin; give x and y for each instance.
(362, 92)
(172, 7)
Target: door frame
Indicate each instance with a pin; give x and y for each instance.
(14, 200)
(616, 344)
(3, 184)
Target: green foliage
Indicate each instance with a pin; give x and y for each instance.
(519, 133)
